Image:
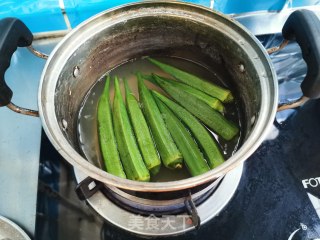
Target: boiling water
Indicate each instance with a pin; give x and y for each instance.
(87, 121)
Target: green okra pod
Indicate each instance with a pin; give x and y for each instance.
(107, 139)
(169, 153)
(208, 145)
(186, 144)
(210, 117)
(142, 132)
(213, 90)
(131, 158)
(211, 101)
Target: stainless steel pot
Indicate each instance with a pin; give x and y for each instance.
(153, 28)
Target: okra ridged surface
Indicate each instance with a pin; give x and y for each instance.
(169, 153)
(107, 139)
(131, 158)
(210, 117)
(209, 146)
(192, 156)
(142, 132)
(211, 101)
(213, 90)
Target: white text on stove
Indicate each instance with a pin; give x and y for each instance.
(312, 182)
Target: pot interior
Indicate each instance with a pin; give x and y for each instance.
(158, 29)
(161, 36)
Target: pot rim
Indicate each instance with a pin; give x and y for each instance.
(257, 135)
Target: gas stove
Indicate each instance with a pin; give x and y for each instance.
(274, 195)
(277, 196)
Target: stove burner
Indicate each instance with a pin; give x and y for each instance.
(210, 201)
(157, 207)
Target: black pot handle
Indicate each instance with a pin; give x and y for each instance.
(304, 27)
(13, 34)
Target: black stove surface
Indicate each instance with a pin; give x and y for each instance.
(271, 202)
